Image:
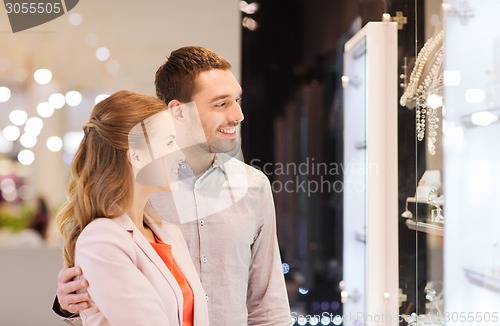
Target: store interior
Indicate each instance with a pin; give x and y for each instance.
(409, 139)
(95, 49)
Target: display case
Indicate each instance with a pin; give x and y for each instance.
(445, 229)
(421, 199)
(456, 251)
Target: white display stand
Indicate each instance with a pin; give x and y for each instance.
(370, 293)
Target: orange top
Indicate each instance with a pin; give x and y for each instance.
(165, 252)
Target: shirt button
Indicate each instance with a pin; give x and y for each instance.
(183, 166)
(206, 297)
(204, 259)
(197, 185)
(202, 222)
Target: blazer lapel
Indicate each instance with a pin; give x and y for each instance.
(182, 258)
(151, 253)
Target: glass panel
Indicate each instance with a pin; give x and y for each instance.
(421, 199)
(472, 176)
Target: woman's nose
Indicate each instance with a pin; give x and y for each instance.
(180, 155)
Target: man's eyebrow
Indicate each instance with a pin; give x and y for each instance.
(222, 97)
(217, 98)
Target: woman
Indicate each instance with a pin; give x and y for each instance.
(138, 267)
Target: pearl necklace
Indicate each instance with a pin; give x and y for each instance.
(416, 75)
(433, 84)
(429, 61)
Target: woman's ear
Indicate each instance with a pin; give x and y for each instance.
(129, 157)
(177, 110)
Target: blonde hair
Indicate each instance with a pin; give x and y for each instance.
(101, 182)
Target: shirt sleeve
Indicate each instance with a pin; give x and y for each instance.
(267, 299)
(121, 292)
(66, 317)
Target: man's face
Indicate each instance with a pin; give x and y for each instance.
(217, 98)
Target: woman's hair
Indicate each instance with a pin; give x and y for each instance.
(175, 79)
(101, 182)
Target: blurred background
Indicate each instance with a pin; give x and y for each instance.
(50, 78)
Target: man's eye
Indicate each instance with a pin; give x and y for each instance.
(220, 104)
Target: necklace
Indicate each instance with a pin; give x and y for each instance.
(426, 78)
(433, 84)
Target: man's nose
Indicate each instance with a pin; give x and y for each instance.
(236, 113)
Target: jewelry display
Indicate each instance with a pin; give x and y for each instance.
(434, 82)
(430, 181)
(407, 213)
(436, 201)
(427, 193)
(435, 298)
(425, 88)
(434, 315)
(433, 200)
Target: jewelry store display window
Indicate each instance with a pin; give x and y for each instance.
(448, 113)
(421, 219)
(447, 125)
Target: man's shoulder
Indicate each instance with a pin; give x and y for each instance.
(253, 174)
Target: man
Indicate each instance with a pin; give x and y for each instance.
(224, 207)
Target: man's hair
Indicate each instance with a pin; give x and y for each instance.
(175, 79)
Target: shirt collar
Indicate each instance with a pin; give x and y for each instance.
(185, 172)
(220, 160)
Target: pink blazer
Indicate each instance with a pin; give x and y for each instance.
(129, 283)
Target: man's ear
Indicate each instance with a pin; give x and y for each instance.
(177, 110)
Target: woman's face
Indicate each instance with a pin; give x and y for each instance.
(154, 153)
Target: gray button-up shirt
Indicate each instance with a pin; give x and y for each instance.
(228, 219)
